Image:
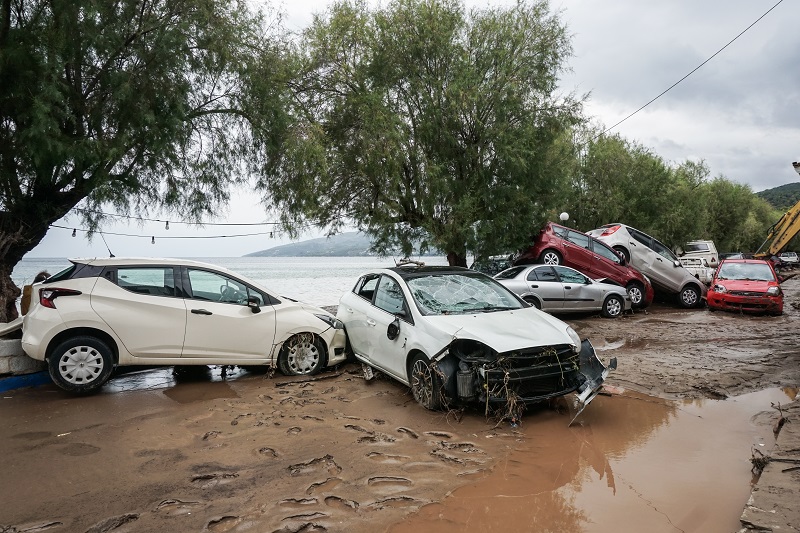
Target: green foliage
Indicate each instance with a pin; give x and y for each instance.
(419, 120)
(782, 197)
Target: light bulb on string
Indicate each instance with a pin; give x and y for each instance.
(167, 225)
(153, 240)
(74, 232)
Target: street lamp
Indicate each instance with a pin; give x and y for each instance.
(565, 216)
(796, 165)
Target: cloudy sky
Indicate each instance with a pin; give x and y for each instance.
(740, 112)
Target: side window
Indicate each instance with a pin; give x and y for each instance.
(568, 275)
(153, 281)
(606, 252)
(366, 286)
(545, 273)
(560, 231)
(214, 287)
(580, 239)
(389, 296)
(639, 236)
(663, 251)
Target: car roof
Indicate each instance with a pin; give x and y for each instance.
(407, 272)
(139, 261)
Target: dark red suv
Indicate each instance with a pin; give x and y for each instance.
(559, 245)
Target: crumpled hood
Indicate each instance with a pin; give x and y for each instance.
(504, 330)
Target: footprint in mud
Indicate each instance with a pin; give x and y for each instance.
(395, 502)
(110, 524)
(422, 467)
(177, 507)
(307, 516)
(35, 528)
(79, 449)
(341, 504)
(322, 486)
(376, 438)
(267, 451)
(207, 481)
(320, 464)
(235, 421)
(440, 434)
(357, 428)
(294, 430)
(329, 390)
(224, 523)
(309, 417)
(211, 435)
(294, 503)
(33, 435)
(378, 421)
(389, 483)
(386, 458)
(456, 452)
(409, 432)
(306, 527)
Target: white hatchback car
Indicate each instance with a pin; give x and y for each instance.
(655, 261)
(455, 335)
(101, 313)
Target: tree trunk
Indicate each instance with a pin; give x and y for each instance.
(457, 259)
(8, 294)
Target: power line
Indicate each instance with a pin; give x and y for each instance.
(165, 221)
(694, 70)
(152, 237)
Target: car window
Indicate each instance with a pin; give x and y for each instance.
(568, 275)
(510, 273)
(153, 281)
(639, 236)
(451, 294)
(604, 251)
(366, 286)
(215, 287)
(580, 239)
(561, 231)
(543, 273)
(663, 251)
(389, 296)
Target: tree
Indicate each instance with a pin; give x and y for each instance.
(139, 104)
(420, 121)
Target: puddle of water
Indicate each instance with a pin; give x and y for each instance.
(632, 463)
(183, 385)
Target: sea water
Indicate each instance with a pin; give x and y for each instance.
(318, 281)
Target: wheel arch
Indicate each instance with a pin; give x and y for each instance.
(83, 331)
(289, 335)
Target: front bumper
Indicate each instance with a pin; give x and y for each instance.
(754, 304)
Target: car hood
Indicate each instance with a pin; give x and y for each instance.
(744, 285)
(504, 330)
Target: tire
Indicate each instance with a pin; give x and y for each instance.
(624, 253)
(302, 355)
(533, 301)
(81, 365)
(613, 306)
(636, 292)
(550, 257)
(425, 383)
(689, 297)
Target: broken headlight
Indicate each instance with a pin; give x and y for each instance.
(575, 339)
(472, 351)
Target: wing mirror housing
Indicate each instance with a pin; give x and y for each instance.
(393, 331)
(676, 264)
(252, 303)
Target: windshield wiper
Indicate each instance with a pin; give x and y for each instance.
(486, 308)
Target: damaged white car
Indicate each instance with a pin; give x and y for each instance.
(457, 336)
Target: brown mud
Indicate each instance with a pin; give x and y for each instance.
(669, 451)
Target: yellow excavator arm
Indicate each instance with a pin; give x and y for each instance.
(782, 231)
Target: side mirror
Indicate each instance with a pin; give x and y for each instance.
(393, 331)
(252, 303)
(676, 264)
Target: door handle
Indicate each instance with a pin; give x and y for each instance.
(201, 312)
(348, 309)
(567, 287)
(370, 322)
(534, 286)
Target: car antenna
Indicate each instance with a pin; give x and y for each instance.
(107, 248)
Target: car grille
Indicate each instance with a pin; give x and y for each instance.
(533, 374)
(747, 293)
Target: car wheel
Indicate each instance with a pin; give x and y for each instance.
(622, 251)
(550, 257)
(81, 364)
(533, 301)
(613, 306)
(690, 297)
(636, 292)
(301, 355)
(425, 383)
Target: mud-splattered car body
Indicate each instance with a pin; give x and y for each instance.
(455, 336)
(746, 285)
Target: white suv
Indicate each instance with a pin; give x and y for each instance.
(654, 260)
(100, 313)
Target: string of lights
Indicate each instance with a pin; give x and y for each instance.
(167, 222)
(153, 237)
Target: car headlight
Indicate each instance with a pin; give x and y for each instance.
(574, 337)
(332, 321)
(720, 288)
(774, 291)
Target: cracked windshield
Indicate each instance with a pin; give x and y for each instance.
(457, 294)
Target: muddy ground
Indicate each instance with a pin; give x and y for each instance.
(247, 452)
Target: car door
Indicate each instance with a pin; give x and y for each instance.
(642, 256)
(576, 250)
(353, 310)
(543, 282)
(578, 291)
(670, 275)
(605, 263)
(388, 352)
(142, 306)
(219, 323)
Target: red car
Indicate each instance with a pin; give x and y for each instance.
(746, 285)
(559, 245)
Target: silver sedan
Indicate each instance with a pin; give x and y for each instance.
(560, 289)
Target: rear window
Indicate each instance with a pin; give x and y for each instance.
(510, 273)
(697, 247)
(156, 281)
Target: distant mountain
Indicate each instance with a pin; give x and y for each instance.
(351, 244)
(782, 197)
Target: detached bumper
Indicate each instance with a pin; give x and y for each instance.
(594, 372)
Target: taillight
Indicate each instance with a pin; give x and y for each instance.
(47, 296)
(610, 230)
